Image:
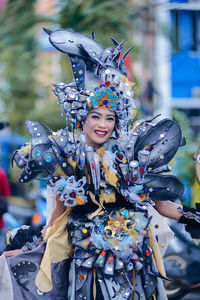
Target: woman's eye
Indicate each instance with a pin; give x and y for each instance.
(110, 119)
(95, 117)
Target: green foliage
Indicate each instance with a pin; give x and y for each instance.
(185, 154)
(18, 52)
(50, 114)
(105, 17)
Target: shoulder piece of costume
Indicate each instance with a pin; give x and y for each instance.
(132, 162)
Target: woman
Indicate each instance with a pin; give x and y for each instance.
(98, 242)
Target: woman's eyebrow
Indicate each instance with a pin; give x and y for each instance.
(107, 115)
(94, 112)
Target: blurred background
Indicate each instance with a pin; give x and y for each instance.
(165, 66)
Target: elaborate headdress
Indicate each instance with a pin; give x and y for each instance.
(99, 77)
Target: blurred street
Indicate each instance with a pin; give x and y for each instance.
(192, 296)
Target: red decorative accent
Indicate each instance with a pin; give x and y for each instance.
(110, 259)
(134, 179)
(119, 228)
(103, 253)
(93, 165)
(126, 181)
(126, 198)
(118, 48)
(107, 83)
(81, 277)
(72, 195)
(142, 170)
(119, 156)
(147, 253)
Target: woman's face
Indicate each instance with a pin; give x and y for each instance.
(99, 126)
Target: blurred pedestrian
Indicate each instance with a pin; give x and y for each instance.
(4, 192)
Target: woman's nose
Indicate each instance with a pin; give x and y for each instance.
(102, 123)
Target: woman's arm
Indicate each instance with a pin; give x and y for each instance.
(168, 209)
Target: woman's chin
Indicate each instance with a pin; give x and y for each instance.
(99, 140)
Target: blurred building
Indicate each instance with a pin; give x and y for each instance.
(177, 57)
(169, 39)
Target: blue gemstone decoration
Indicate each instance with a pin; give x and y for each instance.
(101, 227)
(75, 158)
(96, 88)
(94, 103)
(48, 159)
(156, 190)
(37, 153)
(110, 96)
(105, 102)
(92, 98)
(145, 190)
(112, 103)
(102, 85)
(108, 91)
(124, 212)
(112, 88)
(68, 170)
(98, 97)
(78, 65)
(115, 97)
(102, 93)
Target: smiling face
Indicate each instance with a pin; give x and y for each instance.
(99, 126)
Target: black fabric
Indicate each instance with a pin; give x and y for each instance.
(90, 206)
(191, 226)
(22, 237)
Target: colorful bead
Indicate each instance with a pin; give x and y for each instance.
(110, 259)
